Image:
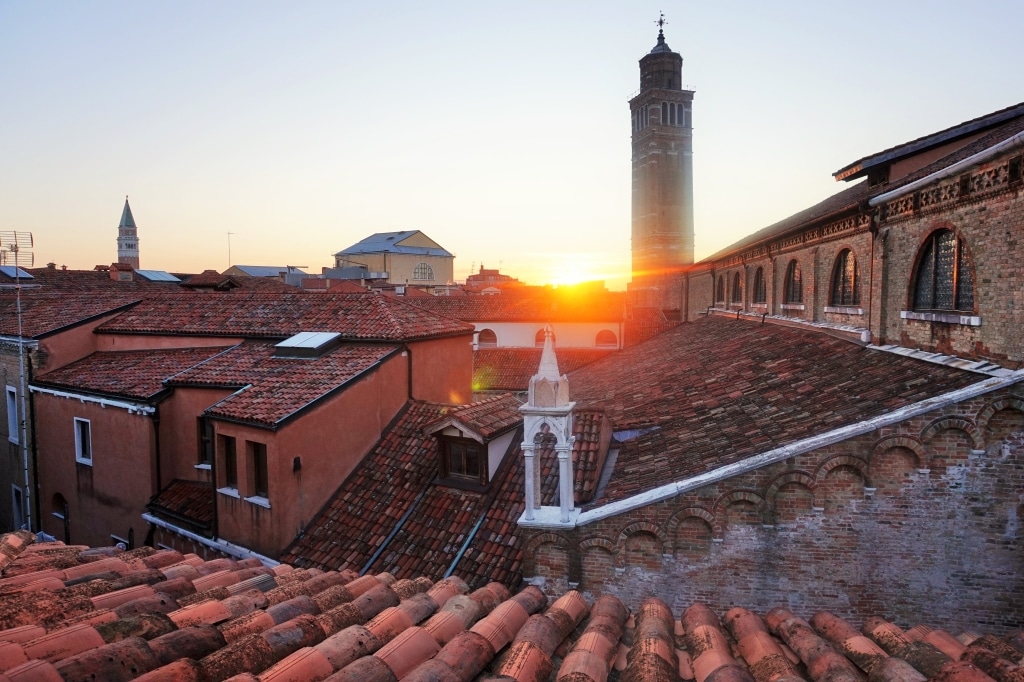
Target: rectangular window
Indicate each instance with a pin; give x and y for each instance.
(230, 458)
(464, 459)
(12, 415)
(83, 441)
(260, 475)
(205, 442)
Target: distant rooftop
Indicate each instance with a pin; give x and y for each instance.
(391, 242)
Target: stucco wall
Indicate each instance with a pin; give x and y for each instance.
(108, 496)
(567, 334)
(442, 369)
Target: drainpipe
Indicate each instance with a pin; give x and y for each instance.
(155, 417)
(35, 453)
(408, 350)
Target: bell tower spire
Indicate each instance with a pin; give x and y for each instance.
(662, 142)
(128, 238)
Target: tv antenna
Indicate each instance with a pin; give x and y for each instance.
(16, 251)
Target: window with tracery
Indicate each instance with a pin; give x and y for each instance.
(737, 291)
(760, 294)
(423, 271)
(792, 287)
(945, 274)
(720, 294)
(844, 280)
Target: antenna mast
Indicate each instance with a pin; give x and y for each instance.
(16, 250)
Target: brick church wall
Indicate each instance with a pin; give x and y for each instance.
(990, 219)
(918, 523)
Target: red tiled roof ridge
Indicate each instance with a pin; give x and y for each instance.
(174, 616)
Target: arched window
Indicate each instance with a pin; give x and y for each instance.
(792, 288)
(844, 280)
(737, 291)
(945, 274)
(423, 271)
(760, 295)
(606, 339)
(487, 339)
(720, 294)
(538, 338)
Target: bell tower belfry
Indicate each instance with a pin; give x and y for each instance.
(128, 238)
(662, 136)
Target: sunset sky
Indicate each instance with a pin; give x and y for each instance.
(501, 130)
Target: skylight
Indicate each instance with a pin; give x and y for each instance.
(157, 276)
(14, 271)
(307, 344)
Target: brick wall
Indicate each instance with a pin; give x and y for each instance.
(886, 241)
(918, 523)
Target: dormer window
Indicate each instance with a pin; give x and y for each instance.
(463, 459)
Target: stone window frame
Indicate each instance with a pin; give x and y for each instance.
(423, 272)
(720, 290)
(962, 260)
(490, 342)
(737, 289)
(844, 289)
(759, 293)
(792, 284)
(13, 430)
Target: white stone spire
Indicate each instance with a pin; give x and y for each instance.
(547, 425)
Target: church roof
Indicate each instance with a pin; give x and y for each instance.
(73, 612)
(510, 369)
(719, 390)
(127, 219)
(853, 199)
(391, 242)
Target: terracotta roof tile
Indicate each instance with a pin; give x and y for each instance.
(130, 374)
(487, 418)
(45, 313)
(367, 317)
(374, 627)
(541, 306)
(187, 503)
(273, 388)
(510, 369)
(712, 392)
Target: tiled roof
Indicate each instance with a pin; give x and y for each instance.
(861, 166)
(185, 503)
(510, 369)
(849, 199)
(71, 613)
(211, 279)
(488, 418)
(131, 374)
(644, 323)
(95, 280)
(273, 389)
(429, 528)
(363, 316)
(266, 270)
(45, 313)
(540, 306)
(715, 391)
(391, 242)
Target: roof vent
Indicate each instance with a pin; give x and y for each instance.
(308, 345)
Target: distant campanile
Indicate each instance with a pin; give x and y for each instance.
(662, 165)
(128, 238)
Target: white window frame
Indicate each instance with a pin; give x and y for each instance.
(12, 415)
(78, 442)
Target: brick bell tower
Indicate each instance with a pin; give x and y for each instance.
(128, 238)
(662, 134)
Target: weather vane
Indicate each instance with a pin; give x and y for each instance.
(661, 21)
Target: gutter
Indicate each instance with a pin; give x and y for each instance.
(133, 408)
(220, 545)
(982, 156)
(792, 450)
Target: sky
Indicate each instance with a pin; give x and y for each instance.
(501, 130)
